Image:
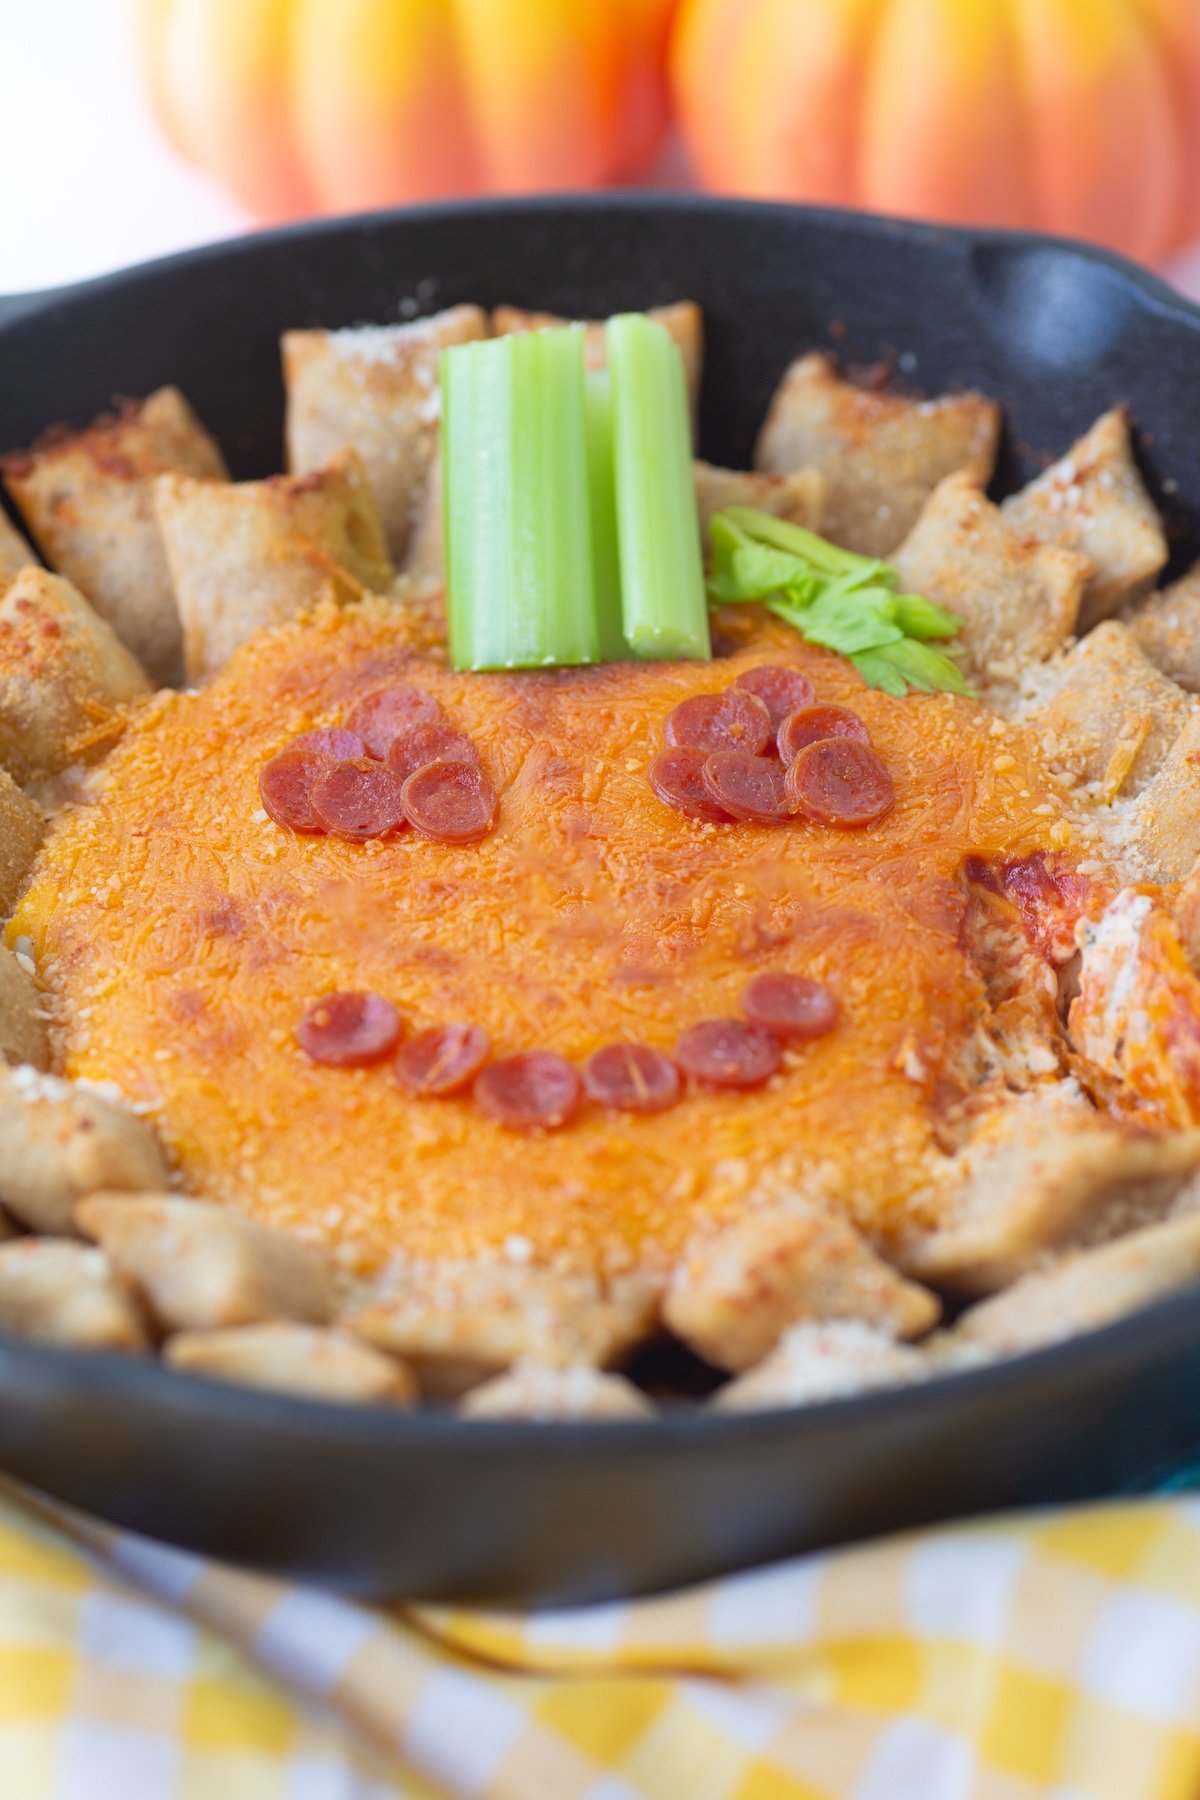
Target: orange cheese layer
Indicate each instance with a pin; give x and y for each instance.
(185, 934)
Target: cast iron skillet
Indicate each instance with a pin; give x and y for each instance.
(380, 1503)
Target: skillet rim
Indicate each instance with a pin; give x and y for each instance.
(675, 1428)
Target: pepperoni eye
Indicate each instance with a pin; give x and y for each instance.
(349, 1030)
(442, 1060)
(727, 1053)
(429, 743)
(839, 781)
(287, 785)
(389, 713)
(331, 740)
(677, 777)
(781, 690)
(734, 720)
(747, 787)
(631, 1078)
(791, 1007)
(809, 724)
(531, 1091)
(452, 802)
(359, 800)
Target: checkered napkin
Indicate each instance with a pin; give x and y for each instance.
(1051, 1655)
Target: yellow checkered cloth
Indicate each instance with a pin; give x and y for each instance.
(1052, 1655)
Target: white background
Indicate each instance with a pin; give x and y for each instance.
(88, 183)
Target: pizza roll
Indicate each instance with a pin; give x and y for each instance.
(374, 390)
(1041, 1172)
(535, 1391)
(203, 1267)
(59, 1140)
(1094, 501)
(829, 1359)
(1018, 601)
(64, 675)
(1107, 715)
(15, 553)
(22, 828)
(252, 554)
(683, 319)
(1089, 1289)
(9, 1228)
(799, 498)
(295, 1359)
(88, 498)
(456, 1322)
(66, 1294)
(1161, 828)
(1166, 627)
(23, 1034)
(882, 455)
(737, 1290)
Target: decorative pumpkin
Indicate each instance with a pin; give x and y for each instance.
(1074, 116)
(301, 106)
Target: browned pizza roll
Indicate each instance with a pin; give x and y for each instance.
(1108, 716)
(22, 827)
(59, 1141)
(66, 1294)
(374, 389)
(799, 498)
(737, 1290)
(827, 1359)
(251, 554)
(88, 498)
(1094, 501)
(1161, 828)
(456, 1322)
(1018, 600)
(683, 319)
(203, 1267)
(64, 676)
(536, 1391)
(15, 553)
(1041, 1173)
(882, 455)
(295, 1359)
(1166, 626)
(23, 1034)
(1088, 1289)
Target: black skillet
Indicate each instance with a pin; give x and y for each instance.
(380, 1503)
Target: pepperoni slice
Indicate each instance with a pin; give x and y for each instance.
(442, 1060)
(781, 690)
(349, 1030)
(791, 1007)
(734, 720)
(840, 782)
(747, 787)
(452, 802)
(391, 712)
(809, 724)
(533, 1089)
(359, 799)
(331, 740)
(631, 1078)
(429, 743)
(727, 1053)
(287, 784)
(677, 777)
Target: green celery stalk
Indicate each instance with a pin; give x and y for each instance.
(519, 584)
(664, 604)
(781, 534)
(602, 487)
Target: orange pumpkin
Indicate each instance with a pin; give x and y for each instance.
(301, 106)
(1075, 116)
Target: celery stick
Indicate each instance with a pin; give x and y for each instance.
(606, 552)
(664, 605)
(781, 534)
(519, 582)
